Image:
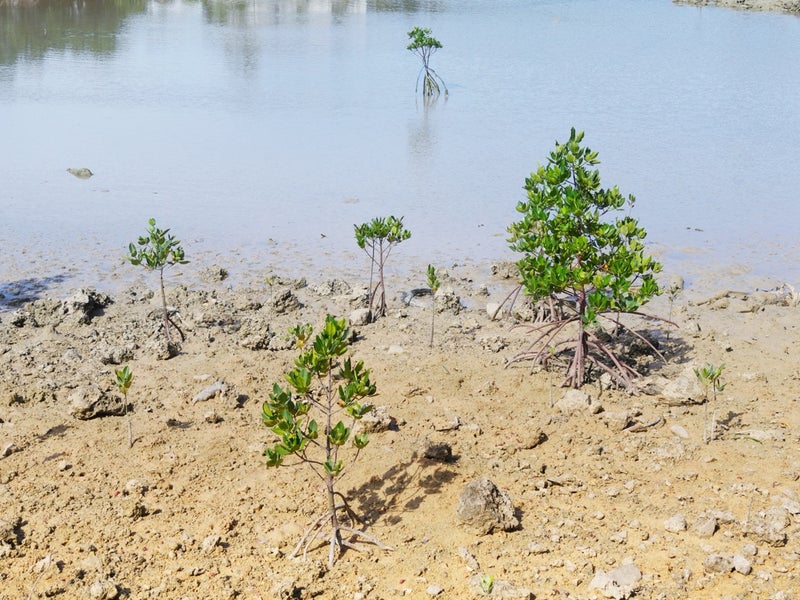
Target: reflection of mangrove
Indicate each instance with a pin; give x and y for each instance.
(16, 293)
(253, 12)
(32, 28)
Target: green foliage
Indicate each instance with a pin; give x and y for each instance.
(378, 238)
(313, 417)
(487, 584)
(710, 378)
(433, 283)
(580, 259)
(156, 251)
(124, 379)
(423, 44)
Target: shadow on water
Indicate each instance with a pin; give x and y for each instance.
(16, 293)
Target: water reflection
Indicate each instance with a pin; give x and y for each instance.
(31, 29)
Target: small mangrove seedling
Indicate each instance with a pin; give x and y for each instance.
(313, 418)
(433, 283)
(156, 251)
(423, 44)
(487, 584)
(709, 379)
(378, 238)
(124, 379)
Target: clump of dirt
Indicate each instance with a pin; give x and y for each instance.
(599, 479)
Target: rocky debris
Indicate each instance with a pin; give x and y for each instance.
(113, 354)
(576, 402)
(285, 301)
(619, 583)
(80, 172)
(334, 287)
(84, 304)
(9, 449)
(161, 348)
(10, 531)
(484, 508)
(446, 300)
(741, 564)
(505, 270)
(377, 420)
(90, 402)
(434, 590)
(619, 420)
(768, 527)
(255, 334)
(218, 388)
(675, 524)
(209, 543)
(718, 563)
(533, 437)
(103, 589)
(360, 317)
(681, 389)
(705, 526)
(213, 274)
(441, 451)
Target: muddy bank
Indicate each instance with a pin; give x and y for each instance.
(785, 6)
(605, 486)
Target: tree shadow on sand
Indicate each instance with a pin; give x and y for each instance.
(403, 488)
(14, 294)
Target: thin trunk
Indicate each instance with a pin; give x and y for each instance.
(330, 454)
(164, 304)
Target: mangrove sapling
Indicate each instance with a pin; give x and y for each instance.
(308, 416)
(423, 44)
(433, 283)
(156, 251)
(583, 265)
(709, 379)
(378, 238)
(124, 379)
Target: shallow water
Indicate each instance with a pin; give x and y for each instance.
(261, 131)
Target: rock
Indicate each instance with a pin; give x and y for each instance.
(705, 526)
(768, 527)
(447, 301)
(469, 560)
(284, 302)
(434, 590)
(679, 431)
(762, 435)
(215, 389)
(84, 304)
(80, 172)
(441, 451)
(9, 449)
(683, 389)
(89, 402)
(675, 524)
(109, 354)
(717, 563)
(334, 287)
(360, 317)
(532, 438)
(255, 334)
(209, 543)
(618, 421)
(618, 583)
(493, 311)
(505, 270)
(377, 420)
(213, 274)
(11, 530)
(483, 507)
(577, 401)
(103, 589)
(212, 417)
(741, 564)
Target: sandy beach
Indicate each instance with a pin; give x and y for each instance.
(598, 482)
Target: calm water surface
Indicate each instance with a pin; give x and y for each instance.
(260, 131)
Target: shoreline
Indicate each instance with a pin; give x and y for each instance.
(791, 7)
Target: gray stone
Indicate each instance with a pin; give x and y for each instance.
(619, 583)
(434, 590)
(577, 401)
(285, 301)
(218, 388)
(741, 564)
(679, 431)
(675, 524)
(705, 526)
(447, 301)
(483, 508)
(717, 563)
(768, 527)
(377, 420)
(84, 304)
(360, 317)
(103, 589)
(89, 402)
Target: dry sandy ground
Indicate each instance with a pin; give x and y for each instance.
(191, 511)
